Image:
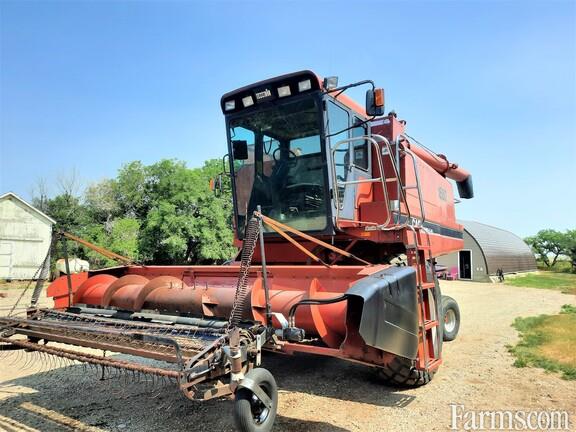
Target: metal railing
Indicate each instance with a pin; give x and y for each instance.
(375, 141)
(338, 184)
(409, 152)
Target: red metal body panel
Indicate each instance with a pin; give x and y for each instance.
(58, 289)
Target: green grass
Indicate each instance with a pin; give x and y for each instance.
(564, 282)
(548, 342)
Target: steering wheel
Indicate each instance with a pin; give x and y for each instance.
(293, 160)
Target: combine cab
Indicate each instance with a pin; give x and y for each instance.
(338, 216)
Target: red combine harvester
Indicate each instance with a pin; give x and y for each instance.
(339, 216)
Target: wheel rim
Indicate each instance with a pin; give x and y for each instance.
(449, 320)
(259, 411)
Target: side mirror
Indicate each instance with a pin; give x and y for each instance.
(375, 102)
(240, 149)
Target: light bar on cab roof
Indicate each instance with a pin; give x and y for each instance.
(279, 88)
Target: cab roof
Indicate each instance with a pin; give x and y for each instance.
(317, 83)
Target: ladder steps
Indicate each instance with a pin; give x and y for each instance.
(428, 285)
(428, 324)
(434, 364)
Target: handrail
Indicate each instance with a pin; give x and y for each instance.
(381, 179)
(410, 153)
(375, 140)
(400, 187)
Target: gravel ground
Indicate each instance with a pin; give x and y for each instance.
(316, 394)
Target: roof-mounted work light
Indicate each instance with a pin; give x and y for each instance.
(304, 85)
(330, 83)
(283, 91)
(247, 101)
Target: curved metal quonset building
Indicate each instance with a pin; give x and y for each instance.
(486, 249)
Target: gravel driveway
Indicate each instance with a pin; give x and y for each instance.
(316, 394)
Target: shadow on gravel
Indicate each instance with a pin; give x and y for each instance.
(74, 398)
(333, 378)
(287, 424)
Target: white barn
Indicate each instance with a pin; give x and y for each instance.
(25, 237)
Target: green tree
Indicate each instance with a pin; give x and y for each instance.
(131, 190)
(101, 200)
(164, 213)
(71, 216)
(569, 247)
(122, 238)
(214, 217)
(67, 210)
(183, 221)
(545, 244)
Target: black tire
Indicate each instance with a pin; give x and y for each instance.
(450, 318)
(249, 413)
(401, 372)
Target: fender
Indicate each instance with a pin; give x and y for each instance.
(387, 303)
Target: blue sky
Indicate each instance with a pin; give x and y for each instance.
(91, 85)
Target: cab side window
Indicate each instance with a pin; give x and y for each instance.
(360, 147)
(338, 119)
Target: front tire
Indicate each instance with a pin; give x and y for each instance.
(250, 414)
(401, 372)
(450, 318)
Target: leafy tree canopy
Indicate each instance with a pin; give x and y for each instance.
(547, 243)
(164, 213)
(569, 247)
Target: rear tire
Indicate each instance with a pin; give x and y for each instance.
(450, 318)
(249, 413)
(401, 372)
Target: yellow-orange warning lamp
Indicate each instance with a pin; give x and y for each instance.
(375, 102)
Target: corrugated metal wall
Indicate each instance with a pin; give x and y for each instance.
(24, 239)
(501, 248)
(478, 264)
(492, 248)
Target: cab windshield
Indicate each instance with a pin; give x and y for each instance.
(283, 168)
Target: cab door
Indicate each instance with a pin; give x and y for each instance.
(360, 169)
(350, 161)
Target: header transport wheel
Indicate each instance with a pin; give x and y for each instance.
(251, 413)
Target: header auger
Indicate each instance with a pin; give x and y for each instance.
(339, 215)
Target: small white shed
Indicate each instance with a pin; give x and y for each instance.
(25, 237)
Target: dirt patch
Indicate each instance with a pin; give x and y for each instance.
(316, 394)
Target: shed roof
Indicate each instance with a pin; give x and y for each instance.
(501, 248)
(12, 195)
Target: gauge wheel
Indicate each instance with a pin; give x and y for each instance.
(250, 413)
